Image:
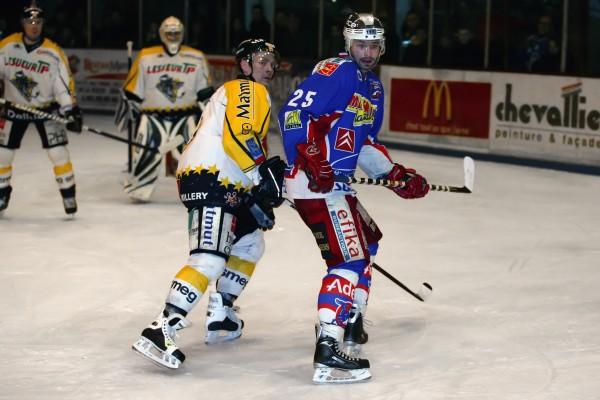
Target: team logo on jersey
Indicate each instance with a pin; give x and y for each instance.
(232, 199)
(329, 66)
(345, 140)
(376, 90)
(292, 120)
(169, 87)
(364, 110)
(25, 85)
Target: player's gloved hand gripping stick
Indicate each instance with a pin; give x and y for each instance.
(73, 123)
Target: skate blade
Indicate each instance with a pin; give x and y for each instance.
(149, 351)
(214, 337)
(325, 375)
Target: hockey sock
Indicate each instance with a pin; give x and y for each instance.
(235, 276)
(335, 297)
(186, 289)
(361, 293)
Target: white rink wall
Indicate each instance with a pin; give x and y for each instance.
(553, 118)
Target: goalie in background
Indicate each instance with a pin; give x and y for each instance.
(229, 187)
(329, 127)
(164, 94)
(50, 88)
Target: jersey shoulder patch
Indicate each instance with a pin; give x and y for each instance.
(328, 66)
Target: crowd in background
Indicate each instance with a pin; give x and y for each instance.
(524, 35)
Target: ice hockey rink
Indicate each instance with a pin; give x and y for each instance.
(515, 269)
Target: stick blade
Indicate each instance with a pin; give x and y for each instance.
(425, 291)
(469, 167)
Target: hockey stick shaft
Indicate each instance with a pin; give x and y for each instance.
(394, 184)
(129, 122)
(397, 282)
(161, 149)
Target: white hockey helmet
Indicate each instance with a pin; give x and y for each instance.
(363, 26)
(171, 34)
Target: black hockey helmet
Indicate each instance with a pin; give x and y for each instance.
(247, 48)
(363, 26)
(32, 13)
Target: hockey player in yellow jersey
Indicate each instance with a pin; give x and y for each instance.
(35, 73)
(164, 89)
(230, 187)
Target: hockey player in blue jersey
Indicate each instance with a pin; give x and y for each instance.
(329, 127)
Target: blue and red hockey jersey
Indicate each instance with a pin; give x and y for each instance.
(341, 110)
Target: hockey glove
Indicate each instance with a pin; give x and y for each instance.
(128, 110)
(75, 119)
(268, 194)
(317, 168)
(269, 191)
(415, 185)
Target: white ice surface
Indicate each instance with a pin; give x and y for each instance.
(515, 269)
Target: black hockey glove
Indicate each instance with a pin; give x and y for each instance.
(264, 216)
(76, 119)
(270, 189)
(268, 194)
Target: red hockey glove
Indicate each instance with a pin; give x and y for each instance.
(415, 185)
(317, 168)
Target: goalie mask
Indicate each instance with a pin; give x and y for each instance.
(171, 34)
(259, 50)
(364, 27)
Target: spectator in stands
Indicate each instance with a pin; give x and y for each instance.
(541, 53)
(259, 26)
(413, 49)
(466, 51)
(238, 32)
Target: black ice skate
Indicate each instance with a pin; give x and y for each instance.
(334, 366)
(222, 323)
(354, 334)
(70, 205)
(157, 342)
(4, 198)
(69, 202)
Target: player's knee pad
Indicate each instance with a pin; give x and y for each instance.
(250, 247)
(6, 157)
(59, 155)
(209, 265)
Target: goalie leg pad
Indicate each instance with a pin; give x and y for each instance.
(145, 163)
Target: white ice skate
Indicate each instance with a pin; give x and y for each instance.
(157, 342)
(222, 324)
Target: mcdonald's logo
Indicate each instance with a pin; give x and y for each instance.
(439, 90)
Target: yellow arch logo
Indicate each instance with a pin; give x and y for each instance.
(439, 90)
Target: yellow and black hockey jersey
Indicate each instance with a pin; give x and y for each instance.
(231, 138)
(168, 83)
(37, 78)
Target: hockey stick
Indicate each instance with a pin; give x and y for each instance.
(129, 122)
(422, 294)
(163, 148)
(469, 176)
